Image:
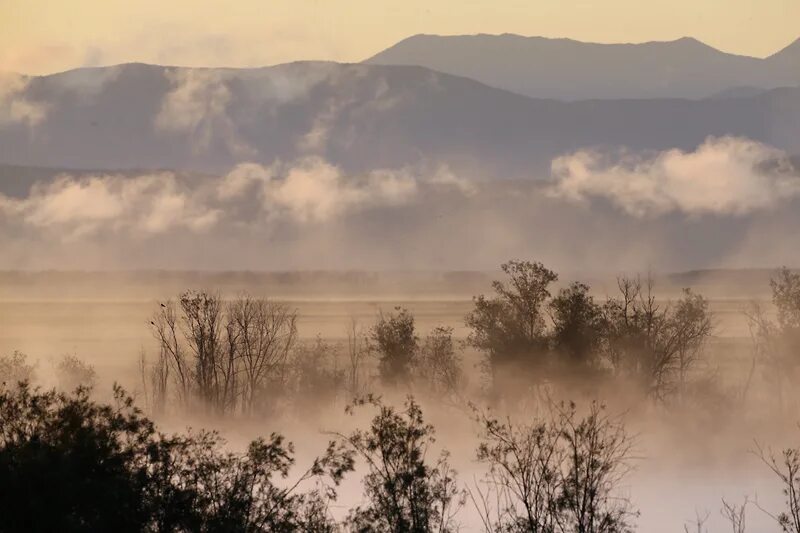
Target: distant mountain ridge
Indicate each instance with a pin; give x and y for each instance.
(566, 69)
(357, 116)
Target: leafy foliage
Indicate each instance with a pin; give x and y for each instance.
(394, 340)
(70, 464)
(404, 491)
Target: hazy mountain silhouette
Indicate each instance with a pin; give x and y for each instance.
(357, 116)
(573, 70)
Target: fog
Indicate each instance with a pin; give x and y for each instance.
(730, 203)
(686, 458)
(513, 283)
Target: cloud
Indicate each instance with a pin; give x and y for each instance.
(304, 192)
(723, 176)
(74, 207)
(197, 105)
(15, 106)
(313, 190)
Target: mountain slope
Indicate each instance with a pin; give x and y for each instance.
(573, 70)
(360, 117)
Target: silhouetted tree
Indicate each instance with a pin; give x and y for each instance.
(438, 366)
(356, 352)
(70, 464)
(510, 328)
(405, 492)
(267, 333)
(393, 340)
(656, 344)
(72, 372)
(577, 325)
(787, 468)
(225, 356)
(315, 379)
(14, 368)
(777, 343)
(554, 475)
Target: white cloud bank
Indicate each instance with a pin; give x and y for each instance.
(723, 176)
(73, 207)
(307, 191)
(313, 190)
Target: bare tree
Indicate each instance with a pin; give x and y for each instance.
(267, 333)
(787, 469)
(561, 474)
(698, 524)
(356, 351)
(438, 365)
(522, 489)
(223, 355)
(172, 356)
(735, 515)
(155, 383)
(777, 343)
(202, 327)
(655, 344)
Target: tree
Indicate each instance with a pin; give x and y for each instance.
(438, 365)
(356, 351)
(316, 380)
(15, 368)
(777, 343)
(203, 330)
(405, 492)
(172, 358)
(510, 328)
(554, 475)
(577, 325)
(73, 373)
(654, 344)
(68, 464)
(522, 488)
(225, 356)
(787, 470)
(267, 334)
(394, 341)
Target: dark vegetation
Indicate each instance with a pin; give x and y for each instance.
(69, 462)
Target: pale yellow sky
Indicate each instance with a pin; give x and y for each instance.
(41, 36)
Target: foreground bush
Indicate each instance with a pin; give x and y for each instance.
(406, 492)
(559, 474)
(70, 464)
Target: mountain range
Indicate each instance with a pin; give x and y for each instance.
(572, 70)
(357, 116)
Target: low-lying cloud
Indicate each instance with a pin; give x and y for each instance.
(723, 176)
(197, 106)
(313, 190)
(73, 207)
(308, 191)
(15, 106)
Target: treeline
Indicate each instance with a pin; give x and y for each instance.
(243, 354)
(70, 464)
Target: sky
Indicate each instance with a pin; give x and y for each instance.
(45, 36)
